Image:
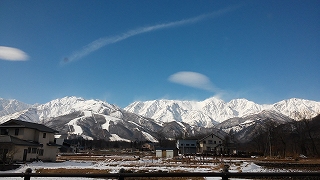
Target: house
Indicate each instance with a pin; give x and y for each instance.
(216, 143)
(166, 152)
(187, 146)
(26, 141)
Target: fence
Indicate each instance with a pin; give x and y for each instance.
(121, 175)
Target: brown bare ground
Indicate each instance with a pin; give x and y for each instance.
(72, 171)
(94, 158)
(185, 162)
(98, 171)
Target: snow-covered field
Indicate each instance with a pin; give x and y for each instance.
(114, 163)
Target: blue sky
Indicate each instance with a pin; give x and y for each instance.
(122, 51)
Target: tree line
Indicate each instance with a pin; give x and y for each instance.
(287, 140)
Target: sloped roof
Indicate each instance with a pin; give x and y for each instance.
(13, 123)
(218, 133)
(17, 141)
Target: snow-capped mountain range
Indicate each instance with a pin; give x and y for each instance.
(213, 110)
(148, 120)
(73, 116)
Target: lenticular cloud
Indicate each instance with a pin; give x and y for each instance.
(12, 54)
(192, 79)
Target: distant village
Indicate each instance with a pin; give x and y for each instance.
(22, 141)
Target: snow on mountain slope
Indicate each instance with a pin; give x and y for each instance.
(172, 110)
(297, 108)
(29, 115)
(115, 137)
(75, 127)
(245, 128)
(67, 105)
(10, 106)
(147, 120)
(90, 119)
(203, 113)
(198, 118)
(245, 107)
(60, 107)
(108, 120)
(210, 111)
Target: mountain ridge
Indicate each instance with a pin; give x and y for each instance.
(92, 119)
(9, 106)
(218, 111)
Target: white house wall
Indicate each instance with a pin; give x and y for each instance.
(159, 153)
(49, 153)
(169, 154)
(211, 143)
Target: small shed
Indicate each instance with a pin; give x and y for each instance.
(166, 152)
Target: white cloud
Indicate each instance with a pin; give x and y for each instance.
(99, 43)
(192, 79)
(12, 54)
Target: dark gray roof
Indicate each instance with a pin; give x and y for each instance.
(218, 133)
(187, 140)
(10, 139)
(13, 123)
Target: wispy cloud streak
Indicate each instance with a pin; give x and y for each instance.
(99, 43)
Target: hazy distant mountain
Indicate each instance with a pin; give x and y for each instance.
(151, 120)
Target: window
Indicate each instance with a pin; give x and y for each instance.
(181, 144)
(4, 131)
(219, 142)
(215, 142)
(192, 145)
(41, 152)
(209, 141)
(204, 142)
(29, 149)
(16, 131)
(3, 152)
(44, 135)
(187, 144)
(34, 150)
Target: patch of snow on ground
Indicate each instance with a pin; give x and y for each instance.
(146, 163)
